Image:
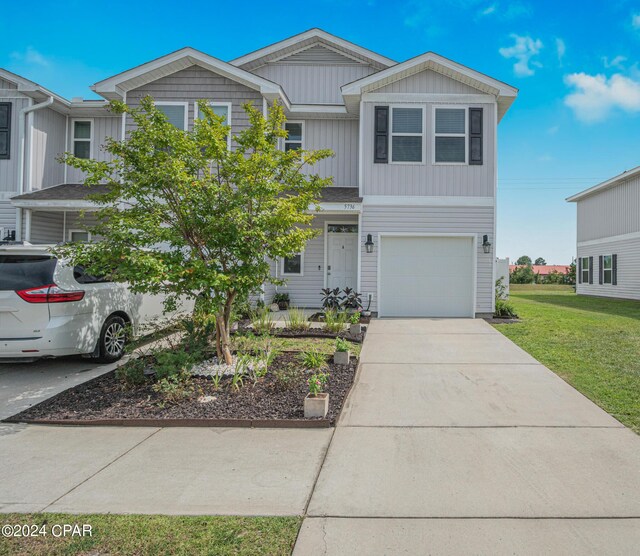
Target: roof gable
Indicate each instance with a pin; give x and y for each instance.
(610, 183)
(318, 53)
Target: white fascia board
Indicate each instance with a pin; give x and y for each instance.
(55, 205)
(429, 97)
(317, 109)
(426, 201)
(605, 184)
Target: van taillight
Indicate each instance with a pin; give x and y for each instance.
(49, 294)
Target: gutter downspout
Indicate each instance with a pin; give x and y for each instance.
(21, 155)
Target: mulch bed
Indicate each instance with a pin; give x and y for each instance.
(104, 398)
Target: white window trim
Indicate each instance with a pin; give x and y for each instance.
(70, 232)
(422, 162)
(214, 103)
(285, 141)
(465, 108)
(73, 135)
(585, 268)
(610, 269)
(301, 273)
(176, 103)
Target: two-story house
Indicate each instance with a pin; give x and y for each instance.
(410, 220)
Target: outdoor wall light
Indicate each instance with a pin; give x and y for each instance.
(486, 244)
(369, 244)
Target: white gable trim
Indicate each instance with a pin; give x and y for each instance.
(284, 57)
(628, 174)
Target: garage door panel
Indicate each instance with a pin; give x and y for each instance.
(426, 276)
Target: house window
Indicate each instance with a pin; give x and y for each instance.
(607, 269)
(585, 270)
(406, 135)
(82, 138)
(295, 137)
(293, 266)
(175, 112)
(219, 109)
(5, 130)
(450, 136)
(81, 236)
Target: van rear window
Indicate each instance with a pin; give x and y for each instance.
(19, 272)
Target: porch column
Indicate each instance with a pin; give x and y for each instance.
(27, 224)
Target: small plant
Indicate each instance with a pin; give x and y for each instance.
(317, 383)
(174, 388)
(331, 299)
(262, 322)
(131, 374)
(288, 376)
(355, 318)
(351, 299)
(334, 322)
(216, 379)
(313, 360)
(504, 309)
(342, 345)
(173, 362)
(296, 320)
(240, 371)
(282, 299)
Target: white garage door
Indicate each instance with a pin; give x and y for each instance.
(426, 277)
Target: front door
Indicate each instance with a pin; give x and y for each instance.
(342, 256)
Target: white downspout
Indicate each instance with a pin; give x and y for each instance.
(21, 157)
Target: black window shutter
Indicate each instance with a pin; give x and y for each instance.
(600, 270)
(590, 270)
(614, 270)
(5, 130)
(381, 136)
(475, 136)
(579, 270)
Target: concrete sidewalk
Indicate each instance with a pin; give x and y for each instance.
(456, 441)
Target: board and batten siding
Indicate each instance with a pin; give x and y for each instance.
(103, 127)
(304, 291)
(196, 83)
(9, 168)
(313, 84)
(47, 144)
(4, 84)
(431, 220)
(427, 178)
(427, 81)
(628, 264)
(611, 212)
(341, 136)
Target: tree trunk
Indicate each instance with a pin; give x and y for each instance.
(223, 335)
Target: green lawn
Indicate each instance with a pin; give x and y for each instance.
(592, 343)
(156, 535)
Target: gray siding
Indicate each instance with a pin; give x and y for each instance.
(313, 84)
(423, 219)
(427, 81)
(102, 128)
(628, 252)
(7, 215)
(428, 179)
(196, 83)
(304, 291)
(47, 144)
(53, 226)
(9, 168)
(612, 212)
(341, 136)
(4, 84)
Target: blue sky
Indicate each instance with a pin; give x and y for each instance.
(575, 122)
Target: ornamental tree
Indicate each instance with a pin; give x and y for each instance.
(540, 261)
(185, 216)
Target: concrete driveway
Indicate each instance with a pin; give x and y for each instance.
(456, 441)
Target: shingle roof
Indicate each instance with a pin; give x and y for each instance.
(340, 195)
(64, 192)
(545, 269)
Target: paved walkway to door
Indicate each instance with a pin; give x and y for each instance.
(456, 441)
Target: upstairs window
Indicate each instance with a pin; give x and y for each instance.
(219, 109)
(175, 112)
(5, 130)
(295, 137)
(82, 138)
(450, 136)
(607, 269)
(406, 134)
(584, 263)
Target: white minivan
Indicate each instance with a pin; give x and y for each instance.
(49, 309)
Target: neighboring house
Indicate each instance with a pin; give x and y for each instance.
(543, 270)
(414, 171)
(608, 237)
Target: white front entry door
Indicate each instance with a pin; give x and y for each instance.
(342, 260)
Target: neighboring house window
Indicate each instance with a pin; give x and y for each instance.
(295, 137)
(293, 266)
(406, 134)
(82, 138)
(607, 269)
(584, 270)
(219, 109)
(175, 112)
(450, 138)
(79, 236)
(5, 130)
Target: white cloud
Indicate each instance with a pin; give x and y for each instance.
(30, 56)
(561, 49)
(523, 50)
(635, 21)
(616, 62)
(489, 9)
(596, 96)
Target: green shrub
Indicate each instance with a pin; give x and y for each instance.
(288, 376)
(296, 320)
(313, 360)
(317, 383)
(504, 309)
(173, 362)
(131, 374)
(355, 317)
(342, 345)
(174, 388)
(334, 322)
(262, 321)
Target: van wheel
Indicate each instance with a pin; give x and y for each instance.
(113, 338)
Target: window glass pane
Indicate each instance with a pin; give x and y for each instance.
(291, 146)
(4, 142)
(450, 120)
(293, 265)
(606, 262)
(82, 149)
(607, 276)
(342, 228)
(174, 113)
(450, 149)
(295, 131)
(406, 149)
(82, 130)
(4, 116)
(79, 236)
(218, 110)
(407, 120)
